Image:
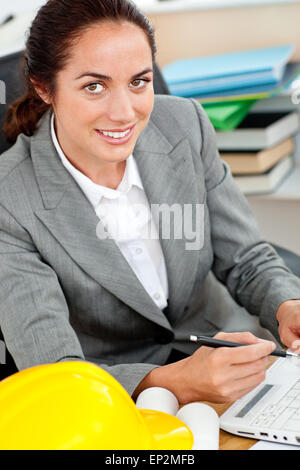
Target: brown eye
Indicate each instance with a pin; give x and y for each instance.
(94, 88)
(140, 83)
(136, 83)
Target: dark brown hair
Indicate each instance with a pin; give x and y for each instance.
(52, 33)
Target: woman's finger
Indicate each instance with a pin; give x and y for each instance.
(238, 337)
(249, 353)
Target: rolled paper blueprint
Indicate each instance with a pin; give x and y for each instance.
(204, 423)
(158, 399)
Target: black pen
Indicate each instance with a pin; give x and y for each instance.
(219, 343)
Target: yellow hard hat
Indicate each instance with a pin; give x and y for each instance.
(168, 432)
(69, 405)
(75, 405)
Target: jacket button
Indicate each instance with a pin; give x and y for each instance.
(165, 337)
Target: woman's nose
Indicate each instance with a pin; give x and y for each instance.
(120, 107)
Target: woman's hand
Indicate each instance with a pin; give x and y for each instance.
(217, 375)
(288, 317)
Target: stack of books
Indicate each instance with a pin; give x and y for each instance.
(260, 150)
(216, 74)
(228, 85)
(258, 147)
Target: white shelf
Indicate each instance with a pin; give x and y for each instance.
(13, 34)
(18, 7)
(169, 6)
(149, 6)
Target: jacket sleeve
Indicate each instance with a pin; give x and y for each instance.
(34, 315)
(254, 274)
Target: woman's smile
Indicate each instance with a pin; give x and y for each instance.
(116, 137)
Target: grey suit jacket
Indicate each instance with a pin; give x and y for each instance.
(67, 295)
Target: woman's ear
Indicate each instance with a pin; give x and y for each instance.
(42, 92)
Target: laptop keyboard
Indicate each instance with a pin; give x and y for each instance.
(284, 414)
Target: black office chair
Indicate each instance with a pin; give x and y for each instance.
(11, 72)
(12, 76)
(9, 367)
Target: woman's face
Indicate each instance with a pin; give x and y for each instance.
(104, 96)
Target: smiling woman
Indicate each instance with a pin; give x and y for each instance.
(77, 72)
(110, 105)
(94, 194)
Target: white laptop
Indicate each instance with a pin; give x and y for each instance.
(271, 411)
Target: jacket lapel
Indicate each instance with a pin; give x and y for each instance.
(71, 219)
(168, 179)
